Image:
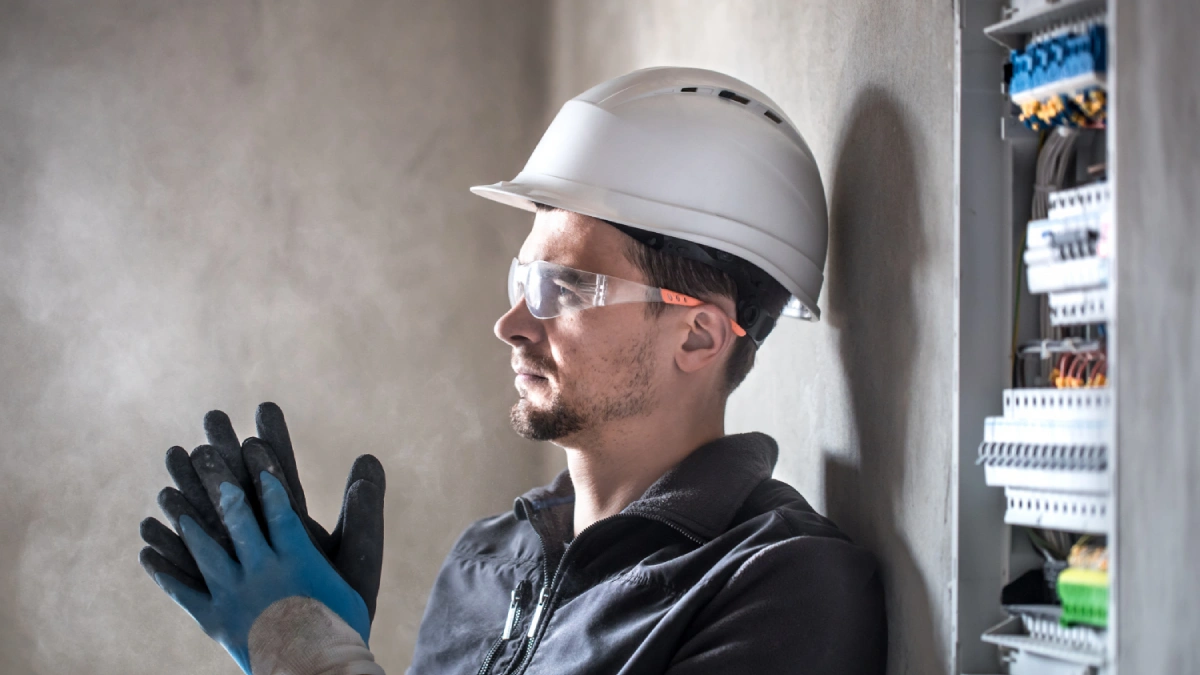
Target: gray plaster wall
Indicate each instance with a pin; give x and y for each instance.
(1157, 336)
(860, 403)
(210, 204)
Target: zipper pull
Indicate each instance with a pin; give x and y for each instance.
(514, 607)
(537, 613)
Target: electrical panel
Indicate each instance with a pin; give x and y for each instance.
(1049, 447)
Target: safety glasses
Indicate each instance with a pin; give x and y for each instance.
(550, 290)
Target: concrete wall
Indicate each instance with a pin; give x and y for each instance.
(1157, 336)
(211, 204)
(861, 403)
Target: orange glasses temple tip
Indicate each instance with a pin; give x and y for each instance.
(673, 298)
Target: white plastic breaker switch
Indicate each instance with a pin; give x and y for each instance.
(1068, 250)
(1079, 307)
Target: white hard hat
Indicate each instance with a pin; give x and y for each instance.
(693, 155)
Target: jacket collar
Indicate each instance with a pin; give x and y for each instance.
(699, 496)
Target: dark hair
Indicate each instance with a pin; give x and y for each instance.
(705, 282)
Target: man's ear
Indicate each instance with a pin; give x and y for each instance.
(709, 335)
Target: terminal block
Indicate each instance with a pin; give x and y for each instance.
(1059, 78)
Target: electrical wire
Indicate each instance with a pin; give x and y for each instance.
(1050, 172)
(1054, 544)
(1057, 148)
(1016, 324)
(1073, 362)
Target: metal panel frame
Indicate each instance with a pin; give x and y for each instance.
(983, 245)
(992, 196)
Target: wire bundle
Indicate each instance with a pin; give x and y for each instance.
(1053, 162)
(1050, 175)
(1076, 362)
(1086, 369)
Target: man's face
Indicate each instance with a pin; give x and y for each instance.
(580, 370)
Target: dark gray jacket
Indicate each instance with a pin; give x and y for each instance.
(718, 568)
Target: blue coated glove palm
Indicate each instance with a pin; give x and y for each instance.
(288, 565)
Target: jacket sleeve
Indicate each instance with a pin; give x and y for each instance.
(808, 605)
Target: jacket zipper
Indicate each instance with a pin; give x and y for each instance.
(549, 590)
(517, 599)
(537, 613)
(527, 644)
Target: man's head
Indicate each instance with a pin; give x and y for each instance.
(694, 182)
(584, 369)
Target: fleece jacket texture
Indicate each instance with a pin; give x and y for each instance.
(718, 568)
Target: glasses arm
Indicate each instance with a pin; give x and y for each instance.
(613, 291)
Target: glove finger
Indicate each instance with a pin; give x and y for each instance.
(243, 527)
(288, 535)
(215, 564)
(221, 436)
(174, 506)
(155, 564)
(368, 468)
(169, 546)
(272, 429)
(213, 472)
(194, 602)
(360, 557)
(259, 458)
(179, 465)
(268, 461)
(365, 467)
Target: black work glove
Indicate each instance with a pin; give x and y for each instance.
(355, 547)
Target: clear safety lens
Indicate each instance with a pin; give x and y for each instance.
(516, 286)
(549, 289)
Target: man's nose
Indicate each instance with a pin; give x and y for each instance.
(518, 327)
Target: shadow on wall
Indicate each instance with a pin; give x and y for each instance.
(876, 244)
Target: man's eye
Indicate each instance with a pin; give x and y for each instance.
(568, 295)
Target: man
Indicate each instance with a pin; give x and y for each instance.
(678, 214)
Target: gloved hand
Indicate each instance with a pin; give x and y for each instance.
(355, 547)
(281, 607)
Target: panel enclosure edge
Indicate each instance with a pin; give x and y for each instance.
(983, 246)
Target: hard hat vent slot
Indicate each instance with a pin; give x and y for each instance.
(688, 90)
(773, 117)
(725, 93)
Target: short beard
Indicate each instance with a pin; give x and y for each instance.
(545, 425)
(563, 419)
